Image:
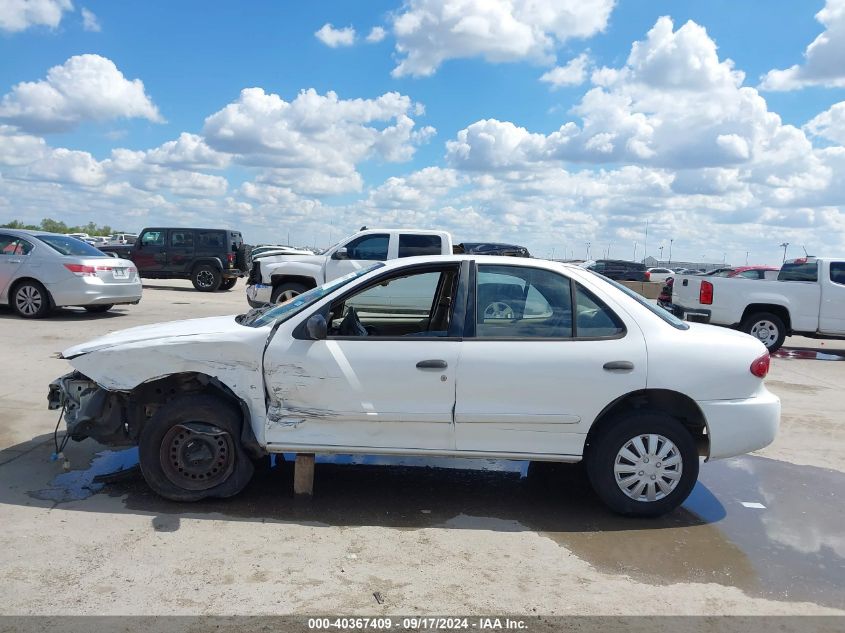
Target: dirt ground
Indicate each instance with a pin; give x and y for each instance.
(760, 534)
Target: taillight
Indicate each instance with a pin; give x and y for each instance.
(230, 257)
(760, 367)
(81, 271)
(647, 276)
(705, 293)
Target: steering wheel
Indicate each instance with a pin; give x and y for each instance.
(498, 310)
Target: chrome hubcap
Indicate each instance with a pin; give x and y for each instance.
(648, 467)
(205, 278)
(766, 332)
(498, 310)
(28, 300)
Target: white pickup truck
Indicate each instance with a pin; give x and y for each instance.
(808, 298)
(279, 278)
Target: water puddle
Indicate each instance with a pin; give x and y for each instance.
(809, 354)
(76, 485)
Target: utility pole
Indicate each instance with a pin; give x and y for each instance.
(661, 255)
(784, 246)
(671, 239)
(746, 257)
(645, 243)
(635, 251)
(588, 252)
(608, 249)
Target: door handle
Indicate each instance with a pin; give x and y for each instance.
(619, 365)
(13, 261)
(432, 364)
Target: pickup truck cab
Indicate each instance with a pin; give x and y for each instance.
(212, 259)
(279, 278)
(808, 298)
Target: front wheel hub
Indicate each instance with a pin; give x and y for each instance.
(648, 467)
(196, 455)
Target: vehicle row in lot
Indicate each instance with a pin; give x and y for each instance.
(213, 259)
(40, 271)
(488, 357)
(807, 298)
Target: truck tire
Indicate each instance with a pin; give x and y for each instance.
(190, 449)
(206, 278)
(286, 292)
(228, 284)
(767, 328)
(644, 464)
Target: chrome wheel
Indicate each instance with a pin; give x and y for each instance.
(205, 279)
(498, 310)
(197, 456)
(286, 295)
(648, 467)
(28, 300)
(766, 332)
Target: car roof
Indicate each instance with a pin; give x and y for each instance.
(32, 233)
(501, 260)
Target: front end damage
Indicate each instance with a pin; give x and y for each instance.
(91, 411)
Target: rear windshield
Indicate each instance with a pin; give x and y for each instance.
(799, 271)
(67, 245)
(670, 318)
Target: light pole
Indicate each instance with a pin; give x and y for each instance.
(588, 252)
(671, 239)
(746, 257)
(635, 251)
(661, 254)
(784, 246)
(645, 243)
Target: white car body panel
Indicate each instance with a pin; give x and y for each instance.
(367, 396)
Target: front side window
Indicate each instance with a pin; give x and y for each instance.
(182, 238)
(416, 245)
(10, 245)
(369, 247)
(153, 238)
(521, 302)
(408, 305)
(837, 272)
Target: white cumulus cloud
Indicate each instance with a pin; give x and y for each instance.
(823, 60)
(84, 88)
(429, 32)
(335, 38)
(19, 15)
(573, 73)
(90, 21)
(377, 34)
(830, 124)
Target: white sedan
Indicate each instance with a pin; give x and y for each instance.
(472, 356)
(660, 274)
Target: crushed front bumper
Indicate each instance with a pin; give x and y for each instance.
(90, 410)
(258, 295)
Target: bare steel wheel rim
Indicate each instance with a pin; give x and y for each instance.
(205, 278)
(197, 456)
(498, 310)
(648, 467)
(286, 295)
(28, 300)
(765, 331)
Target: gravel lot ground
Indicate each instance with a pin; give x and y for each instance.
(500, 538)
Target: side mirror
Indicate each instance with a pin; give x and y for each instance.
(341, 253)
(316, 327)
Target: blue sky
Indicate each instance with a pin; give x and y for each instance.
(670, 136)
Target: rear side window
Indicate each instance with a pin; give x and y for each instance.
(837, 272)
(799, 271)
(369, 247)
(416, 245)
(67, 245)
(153, 238)
(182, 238)
(593, 318)
(210, 239)
(10, 245)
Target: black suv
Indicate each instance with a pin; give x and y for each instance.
(212, 259)
(620, 270)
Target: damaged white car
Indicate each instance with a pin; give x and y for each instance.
(446, 355)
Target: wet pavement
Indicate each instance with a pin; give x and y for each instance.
(770, 528)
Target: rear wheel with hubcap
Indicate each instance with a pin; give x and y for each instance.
(644, 464)
(767, 328)
(190, 449)
(206, 278)
(30, 300)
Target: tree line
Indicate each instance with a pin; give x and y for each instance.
(56, 226)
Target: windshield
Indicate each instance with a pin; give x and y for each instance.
(67, 245)
(667, 316)
(280, 313)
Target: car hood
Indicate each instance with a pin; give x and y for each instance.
(219, 328)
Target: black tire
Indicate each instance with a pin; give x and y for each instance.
(228, 284)
(209, 419)
(206, 278)
(30, 299)
(279, 292)
(99, 308)
(242, 257)
(767, 328)
(601, 456)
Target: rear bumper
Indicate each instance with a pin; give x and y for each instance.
(80, 292)
(736, 427)
(696, 315)
(258, 295)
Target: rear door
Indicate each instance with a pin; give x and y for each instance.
(150, 254)
(832, 311)
(180, 255)
(531, 379)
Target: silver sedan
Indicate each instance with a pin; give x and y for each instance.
(40, 271)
